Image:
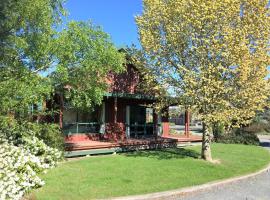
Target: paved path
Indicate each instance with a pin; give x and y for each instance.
(255, 188)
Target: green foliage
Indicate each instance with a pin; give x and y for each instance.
(85, 57)
(32, 48)
(18, 130)
(218, 130)
(238, 136)
(27, 31)
(260, 124)
(245, 134)
(21, 90)
(175, 111)
(259, 127)
(51, 135)
(212, 55)
(9, 128)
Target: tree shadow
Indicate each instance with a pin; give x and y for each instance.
(162, 154)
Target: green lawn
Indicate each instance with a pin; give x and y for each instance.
(147, 171)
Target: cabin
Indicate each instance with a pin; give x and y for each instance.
(126, 120)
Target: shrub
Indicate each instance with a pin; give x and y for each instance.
(260, 123)
(239, 136)
(218, 130)
(18, 172)
(19, 166)
(49, 133)
(22, 156)
(37, 147)
(258, 127)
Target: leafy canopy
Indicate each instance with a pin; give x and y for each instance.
(31, 49)
(213, 54)
(27, 31)
(85, 57)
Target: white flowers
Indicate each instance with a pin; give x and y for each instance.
(19, 166)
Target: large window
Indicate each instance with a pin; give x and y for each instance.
(141, 121)
(75, 121)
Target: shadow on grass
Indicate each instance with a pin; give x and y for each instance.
(165, 153)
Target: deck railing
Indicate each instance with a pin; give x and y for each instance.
(91, 127)
(137, 130)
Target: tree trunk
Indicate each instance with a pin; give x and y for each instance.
(206, 141)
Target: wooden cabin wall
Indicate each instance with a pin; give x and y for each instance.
(125, 82)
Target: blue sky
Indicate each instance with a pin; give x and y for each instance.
(116, 17)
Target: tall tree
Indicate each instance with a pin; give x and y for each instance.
(85, 56)
(27, 46)
(213, 54)
(33, 46)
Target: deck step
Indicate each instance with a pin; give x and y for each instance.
(69, 154)
(84, 152)
(90, 147)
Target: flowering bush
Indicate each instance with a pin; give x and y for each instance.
(18, 171)
(22, 157)
(19, 166)
(38, 148)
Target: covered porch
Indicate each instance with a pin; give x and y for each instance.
(122, 122)
(120, 117)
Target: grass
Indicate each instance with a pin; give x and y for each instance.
(147, 171)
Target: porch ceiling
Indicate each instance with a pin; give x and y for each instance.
(130, 96)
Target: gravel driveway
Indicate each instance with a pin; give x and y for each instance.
(255, 188)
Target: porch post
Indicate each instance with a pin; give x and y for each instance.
(187, 122)
(103, 113)
(157, 121)
(155, 126)
(128, 121)
(115, 110)
(102, 126)
(159, 124)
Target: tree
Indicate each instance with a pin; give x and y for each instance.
(27, 49)
(213, 54)
(37, 58)
(84, 59)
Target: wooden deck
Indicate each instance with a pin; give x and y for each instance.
(89, 147)
(183, 138)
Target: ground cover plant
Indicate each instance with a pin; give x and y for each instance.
(147, 171)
